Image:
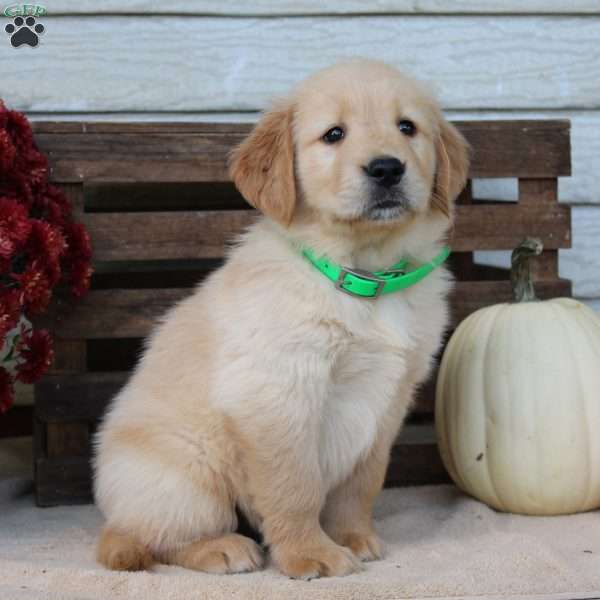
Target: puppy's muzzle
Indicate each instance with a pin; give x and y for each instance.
(386, 171)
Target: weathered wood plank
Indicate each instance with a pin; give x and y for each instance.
(67, 439)
(166, 235)
(205, 234)
(536, 191)
(583, 187)
(69, 356)
(132, 313)
(160, 126)
(198, 152)
(317, 7)
(487, 226)
(225, 58)
(496, 145)
(110, 313)
(545, 265)
(78, 398)
(191, 116)
(141, 156)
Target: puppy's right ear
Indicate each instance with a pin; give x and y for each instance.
(452, 152)
(262, 166)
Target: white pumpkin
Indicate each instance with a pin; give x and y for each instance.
(518, 403)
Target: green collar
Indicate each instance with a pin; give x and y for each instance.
(358, 282)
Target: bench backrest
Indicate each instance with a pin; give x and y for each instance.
(161, 211)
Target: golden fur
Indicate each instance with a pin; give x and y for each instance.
(268, 389)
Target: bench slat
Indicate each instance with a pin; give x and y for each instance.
(132, 313)
(205, 234)
(197, 152)
(502, 226)
(76, 397)
(164, 235)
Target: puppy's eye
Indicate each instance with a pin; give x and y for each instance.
(335, 134)
(407, 127)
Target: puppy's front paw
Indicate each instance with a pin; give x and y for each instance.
(365, 546)
(324, 560)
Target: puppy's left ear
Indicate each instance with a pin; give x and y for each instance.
(262, 166)
(452, 155)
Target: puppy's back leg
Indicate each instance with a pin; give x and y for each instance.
(229, 553)
(168, 503)
(122, 552)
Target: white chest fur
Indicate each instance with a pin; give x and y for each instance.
(365, 382)
(369, 375)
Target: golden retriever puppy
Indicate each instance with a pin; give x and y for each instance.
(272, 388)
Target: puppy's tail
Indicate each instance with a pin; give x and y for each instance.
(122, 552)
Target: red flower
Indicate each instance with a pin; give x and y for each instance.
(14, 221)
(37, 169)
(7, 392)
(52, 271)
(7, 246)
(36, 355)
(78, 254)
(23, 168)
(17, 126)
(55, 207)
(39, 243)
(35, 287)
(45, 241)
(80, 276)
(78, 241)
(46, 246)
(7, 150)
(10, 310)
(5, 265)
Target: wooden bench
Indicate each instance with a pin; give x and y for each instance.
(159, 206)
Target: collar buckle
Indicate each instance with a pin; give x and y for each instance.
(360, 274)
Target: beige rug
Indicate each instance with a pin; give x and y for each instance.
(440, 544)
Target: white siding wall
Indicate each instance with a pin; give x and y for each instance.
(224, 59)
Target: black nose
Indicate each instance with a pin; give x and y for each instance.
(387, 171)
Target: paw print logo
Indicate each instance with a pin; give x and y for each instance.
(24, 31)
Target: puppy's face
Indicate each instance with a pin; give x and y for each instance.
(358, 142)
(365, 144)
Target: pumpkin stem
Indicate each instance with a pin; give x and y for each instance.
(520, 273)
